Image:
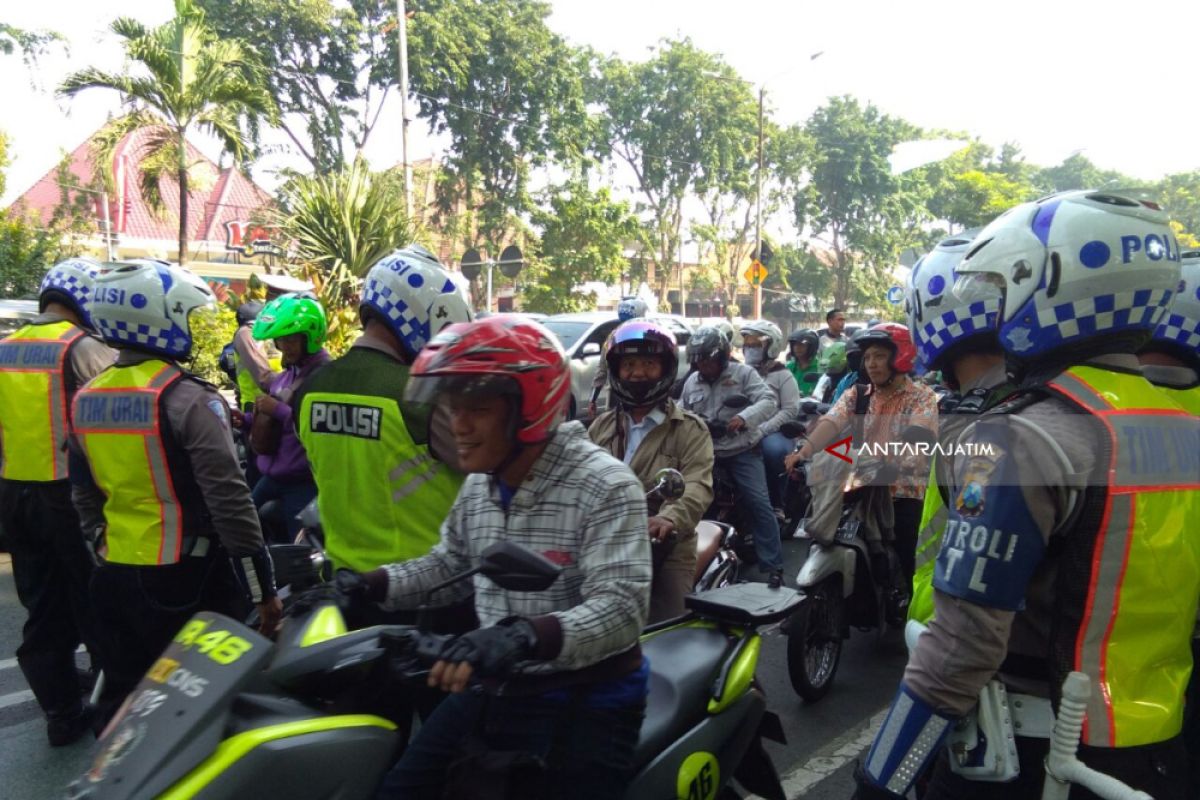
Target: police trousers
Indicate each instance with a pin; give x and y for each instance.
(1159, 769)
(52, 565)
(141, 608)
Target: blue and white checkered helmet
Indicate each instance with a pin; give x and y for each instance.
(937, 318)
(71, 282)
(1180, 327)
(146, 306)
(631, 308)
(1073, 267)
(414, 295)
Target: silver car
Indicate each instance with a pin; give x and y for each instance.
(583, 336)
(15, 314)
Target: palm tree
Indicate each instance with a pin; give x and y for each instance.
(191, 79)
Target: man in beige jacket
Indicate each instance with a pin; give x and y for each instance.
(649, 431)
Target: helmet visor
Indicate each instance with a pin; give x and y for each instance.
(975, 287)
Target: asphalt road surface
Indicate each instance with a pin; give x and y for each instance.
(823, 739)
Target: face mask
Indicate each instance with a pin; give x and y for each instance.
(754, 355)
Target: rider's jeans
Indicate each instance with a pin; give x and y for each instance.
(775, 448)
(594, 756)
(746, 469)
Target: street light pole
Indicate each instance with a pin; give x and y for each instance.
(758, 203)
(402, 24)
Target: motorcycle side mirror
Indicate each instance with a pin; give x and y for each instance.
(517, 568)
(916, 434)
(669, 484)
(736, 401)
(792, 429)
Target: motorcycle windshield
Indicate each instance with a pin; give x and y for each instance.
(175, 718)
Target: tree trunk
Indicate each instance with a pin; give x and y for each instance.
(183, 200)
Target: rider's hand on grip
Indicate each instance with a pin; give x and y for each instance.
(351, 585)
(487, 652)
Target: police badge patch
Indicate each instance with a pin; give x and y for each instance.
(976, 476)
(218, 408)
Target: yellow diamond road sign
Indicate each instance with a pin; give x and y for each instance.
(756, 273)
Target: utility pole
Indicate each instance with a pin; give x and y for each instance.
(402, 24)
(758, 203)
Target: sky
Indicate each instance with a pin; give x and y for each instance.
(1055, 76)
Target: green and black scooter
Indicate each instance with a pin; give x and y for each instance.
(226, 713)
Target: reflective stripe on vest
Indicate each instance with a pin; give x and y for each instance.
(1136, 626)
(929, 540)
(352, 441)
(118, 422)
(34, 416)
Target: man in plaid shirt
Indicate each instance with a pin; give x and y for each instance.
(575, 680)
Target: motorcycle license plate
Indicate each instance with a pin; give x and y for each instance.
(191, 686)
(848, 532)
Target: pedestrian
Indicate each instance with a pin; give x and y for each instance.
(180, 533)
(1073, 545)
(42, 366)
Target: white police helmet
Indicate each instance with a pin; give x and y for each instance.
(1180, 327)
(631, 308)
(937, 317)
(767, 330)
(146, 306)
(1071, 268)
(414, 296)
(71, 282)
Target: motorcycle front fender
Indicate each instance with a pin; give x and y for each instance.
(824, 561)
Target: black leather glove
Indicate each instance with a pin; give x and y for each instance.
(865, 790)
(351, 585)
(493, 651)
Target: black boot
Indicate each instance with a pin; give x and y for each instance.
(64, 729)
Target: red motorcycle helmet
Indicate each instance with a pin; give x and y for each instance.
(499, 355)
(896, 337)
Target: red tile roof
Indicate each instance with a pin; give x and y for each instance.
(216, 196)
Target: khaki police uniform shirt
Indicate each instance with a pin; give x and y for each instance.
(199, 419)
(966, 643)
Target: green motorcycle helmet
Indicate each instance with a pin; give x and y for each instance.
(833, 359)
(290, 314)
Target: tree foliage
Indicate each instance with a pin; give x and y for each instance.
(188, 77)
(332, 66)
(507, 93)
(684, 123)
(852, 205)
(31, 44)
(584, 233)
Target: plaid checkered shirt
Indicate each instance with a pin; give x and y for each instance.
(582, 509)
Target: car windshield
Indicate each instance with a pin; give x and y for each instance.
(567, 332)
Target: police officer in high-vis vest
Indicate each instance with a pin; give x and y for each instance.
(1171, 361)
(1070, 543)
(180, 533)
(959, 339)
(41, 367)
(382, 494)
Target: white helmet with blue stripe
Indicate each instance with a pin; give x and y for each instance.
(1072, 268)
(145, 306)
(631, 308)
(938, 319)
(71, 282)
(1180, 328)
(411, 293)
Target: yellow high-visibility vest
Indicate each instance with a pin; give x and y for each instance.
(34, 416)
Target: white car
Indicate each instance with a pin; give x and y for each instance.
(583, 336)
(16, 314)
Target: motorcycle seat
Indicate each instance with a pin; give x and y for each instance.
(709, 536)
(683, 664)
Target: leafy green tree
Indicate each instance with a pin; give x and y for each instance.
(685, 124)
(188, 78)
(507, 93)
(852, 205)
(31, 44)
(1077, 172)
(343, 223)
(1180, 195)
(584, 233)
(332, 66)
